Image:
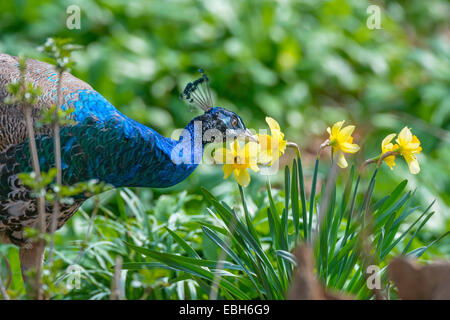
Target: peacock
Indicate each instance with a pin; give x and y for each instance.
(100, 143)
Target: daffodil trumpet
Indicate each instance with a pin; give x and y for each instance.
(237, 160)
(341, 142)
(271, 146)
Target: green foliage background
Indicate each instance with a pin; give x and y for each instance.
(306, 63)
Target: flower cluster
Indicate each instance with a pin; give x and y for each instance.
(341, 141)
(237, 160)
(268, 149)
(408, 146)
(271, 147)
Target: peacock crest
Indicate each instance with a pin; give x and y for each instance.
(198, 93)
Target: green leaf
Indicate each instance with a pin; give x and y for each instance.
(250, 226)
(312, 198)
(227, 249)
(405, 250)
(420, 251)
(287, 256)
(192, 266)
(191, 252)
(294, 200)
(303, 199)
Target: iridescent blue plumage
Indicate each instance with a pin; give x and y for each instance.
(117, 149)
(108, 146)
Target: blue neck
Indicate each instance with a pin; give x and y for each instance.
(123, 152)
(164, 162)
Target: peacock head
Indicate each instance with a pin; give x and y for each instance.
(216, 122)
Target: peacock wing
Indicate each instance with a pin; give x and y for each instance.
(40, 74)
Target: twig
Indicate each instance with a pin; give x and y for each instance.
(388, 291)
(3, 290)
(57, 151)
(36, 168)
(323, 208)
(2, 286)
(116, 287)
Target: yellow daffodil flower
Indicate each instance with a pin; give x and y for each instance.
(271, 147)
(387, 146)
(341, 141)
(409, 147)
(237, 160)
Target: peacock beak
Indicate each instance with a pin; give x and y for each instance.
(247, 134)
(241, 134)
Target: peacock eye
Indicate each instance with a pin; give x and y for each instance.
(234, 122)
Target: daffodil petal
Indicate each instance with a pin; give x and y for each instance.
(227, 170)
(234, 147)
(254, 166)
(283, 144)
(264, 141)
(275, 158)
(265, 151)
(413, 146)
(416, 143)
(269, 148)
(223, 155)
(336, 128)
(273, 124)
(242, 177)
(349, 147)
(387, 140)
(386, 148)
(342, 163)
(390, 161)
(346, 132)
(405, 136)
(251, 150)
(413, 165)
(264, 157)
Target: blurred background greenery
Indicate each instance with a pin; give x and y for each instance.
(306, 63)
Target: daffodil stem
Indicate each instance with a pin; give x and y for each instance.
(379, 160)
(325, 144)
(295, 146)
